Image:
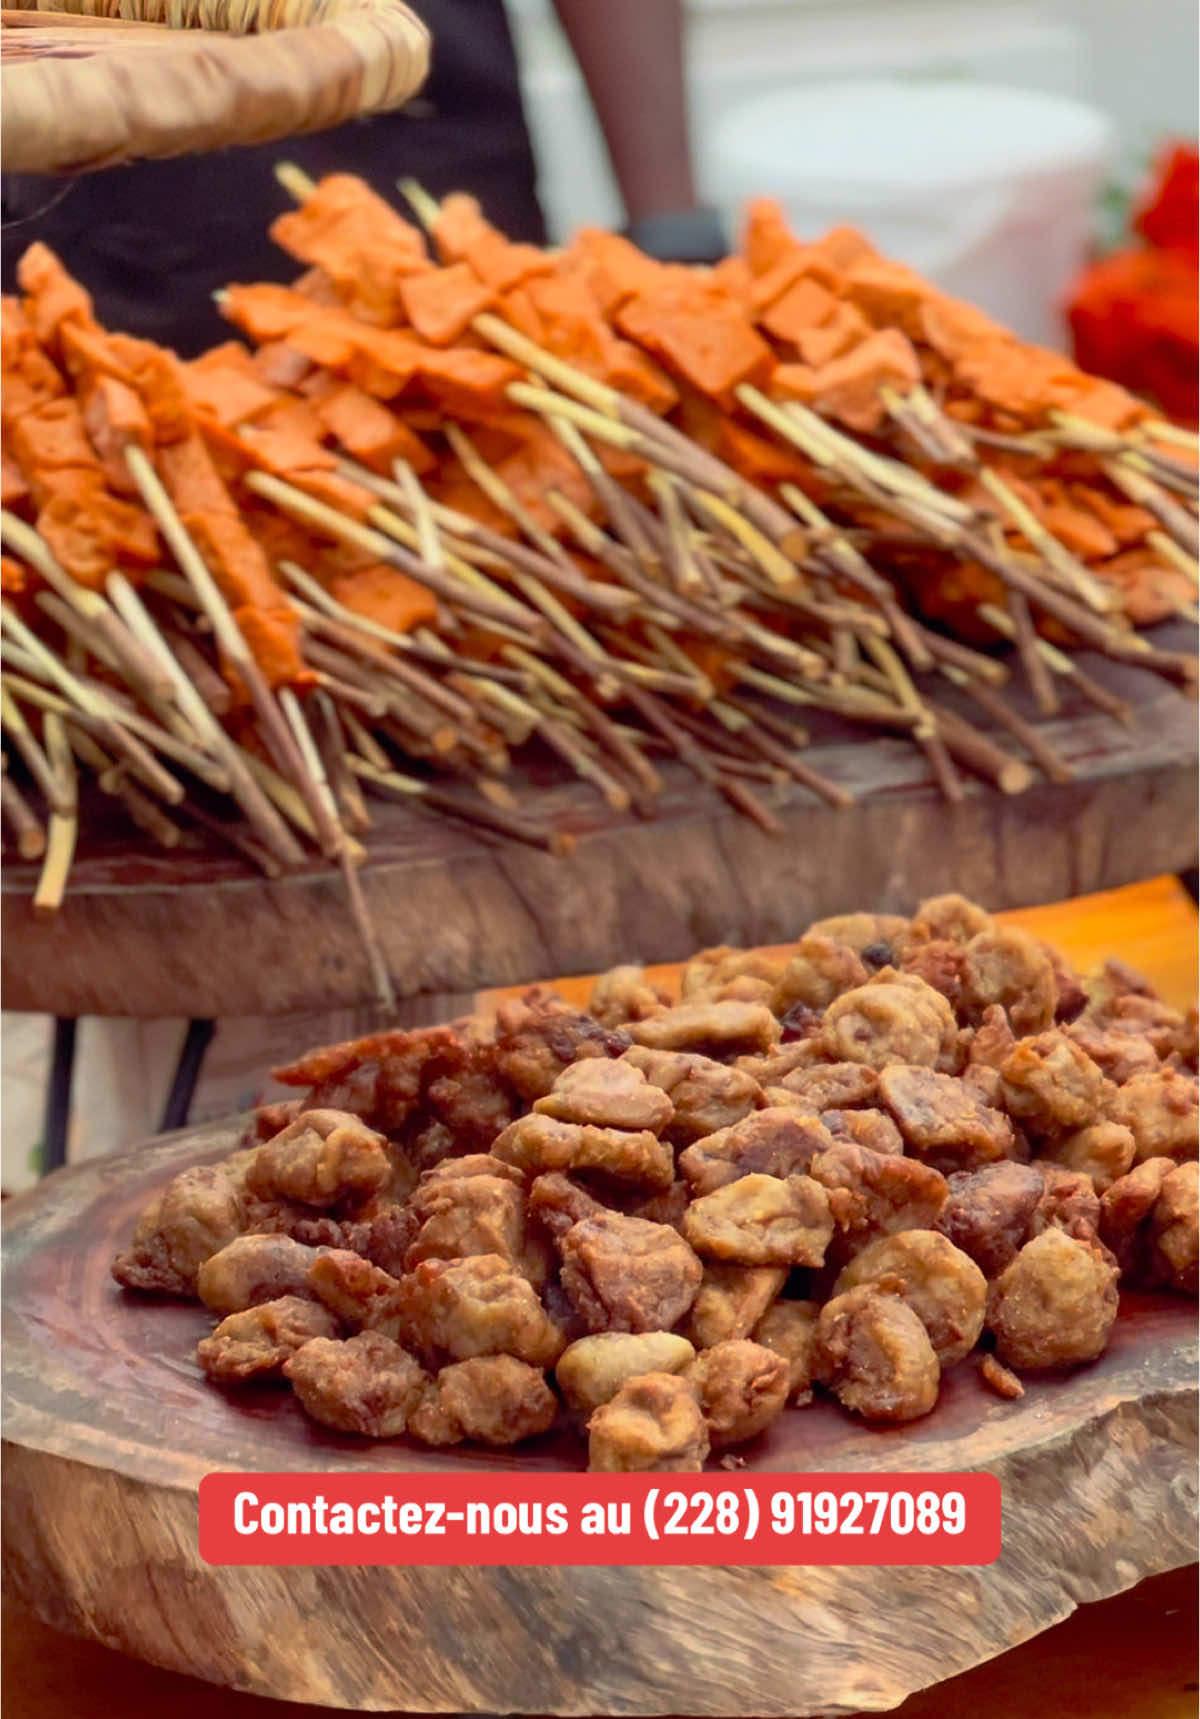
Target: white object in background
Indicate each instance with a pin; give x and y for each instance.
(744, 50)
(986, 191)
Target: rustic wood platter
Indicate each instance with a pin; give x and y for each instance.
(154, 935)
(108, 1428)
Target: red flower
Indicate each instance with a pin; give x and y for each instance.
(1169, 215)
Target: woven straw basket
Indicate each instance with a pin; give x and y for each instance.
(90, 83)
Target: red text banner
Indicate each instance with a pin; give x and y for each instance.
(656, 1519)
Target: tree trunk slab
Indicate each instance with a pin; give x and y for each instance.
(156, 935)
(109, 1427)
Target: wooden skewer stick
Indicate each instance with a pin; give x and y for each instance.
(275, 730)
(64, 824)
(337, 848)
(93, 702)
(260, 813)
(55, 791)
(1041, 684)
(980, 754)
(31, 837)
(341, 527)
(1051, 762)
(1061, 664)
(332, 742)
(1174, 519)
(89, 606)
(485, 814)
(113, 781)
(199, 763)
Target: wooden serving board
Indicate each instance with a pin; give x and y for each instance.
(109, 1427)
(155, 935)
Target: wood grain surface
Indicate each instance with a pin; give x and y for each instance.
(156, 935)
(109, 1426)
(1131, 1657)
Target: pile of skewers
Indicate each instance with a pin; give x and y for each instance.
(460, 497)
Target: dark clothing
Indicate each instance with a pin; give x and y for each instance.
(154, 241)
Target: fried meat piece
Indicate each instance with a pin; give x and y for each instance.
(871, 1128)
(625, 1274)
(253, 1268)
(1118, 1055)
(1000, 1379)
(943, 1286)
(944, 1122)
(835, 1086)
(874, 1354)
(773, 1142)
(254, 1342)
(876, 1193)
(607, 1094)
(457, 1309)
(269, 1119)
(384, 1238)
(863, 931)
(1125, 1209)
(772, 1069)
(732, 1300)
(592, 1370)
(625, 994)
(819, 971)
(471, 1164)
(1011, 968)
(653, 1425)
(1103, 1151)
(719, 1030)
(762, 1220)
(376, 1078)
(365, 1384)
(951, 919)
(538, 1035)
(199, 1212)
(491, 1399)
(741, 1388)
(1068, 1202)
(558, 1203)
(1161, 1112)
(730, 975)
(1054, 1306)
(362, 1297)
(1051, 1086)
(943, 966)
(789, 1328)
(1164, 1029)
(1172, 1232)
(988, 1212)
(537, 1144)
(707, 1095)
(463, 1216)
(321, 1159)
(893, 1018)
(462, 1090)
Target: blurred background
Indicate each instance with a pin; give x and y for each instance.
(1134, 60)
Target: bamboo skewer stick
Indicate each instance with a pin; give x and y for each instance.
(112, 780)
(63, 828)
(1045, 756)
(88, 698)
(55, 790)
(25, 824)
(258, 810)
(89, 606)
(199, 763)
